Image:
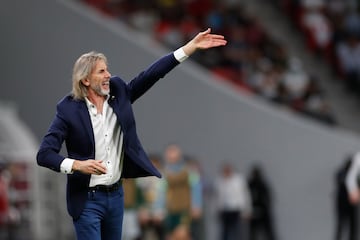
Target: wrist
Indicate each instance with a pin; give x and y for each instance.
(189, 48)
(76, 166)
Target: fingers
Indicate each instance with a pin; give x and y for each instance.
(213, 36)
(206, 31)
(207, 40)
(94, 167)
(100, 167)
(96, 171)
(219, 42)
(90, 166)
(217, 36)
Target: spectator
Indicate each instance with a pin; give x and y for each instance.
(196, 226)
(346, 212)
(261, 222)
(265, 81)
(348, 54)
(178, 193)
(131, 228)
(352, 22)
(150, 220)
(295, 79)
(318, 29)
(4, 203)
(234, 202)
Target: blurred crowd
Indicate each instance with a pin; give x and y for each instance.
(332, 32)
(172, 208)
(15, 200)
(252, 60)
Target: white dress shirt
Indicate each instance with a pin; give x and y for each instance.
(353, 173)
(108, 140)
(233, 194)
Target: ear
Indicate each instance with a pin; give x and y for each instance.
(85, 82)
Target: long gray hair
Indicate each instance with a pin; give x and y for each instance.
(82, 69)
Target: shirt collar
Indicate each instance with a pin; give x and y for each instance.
(91, 106)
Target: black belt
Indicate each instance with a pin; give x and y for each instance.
(107, 188)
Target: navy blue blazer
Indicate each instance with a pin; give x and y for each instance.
(72, 125)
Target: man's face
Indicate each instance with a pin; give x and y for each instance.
(227, 170)
(99, 79)
(173, 154)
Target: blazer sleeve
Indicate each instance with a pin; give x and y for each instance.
(146, 79)
(48, 154)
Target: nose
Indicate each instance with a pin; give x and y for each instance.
(108, 75)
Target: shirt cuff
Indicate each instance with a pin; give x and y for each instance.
(180, 55)
(66, 166)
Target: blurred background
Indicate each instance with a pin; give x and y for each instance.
(283, 96)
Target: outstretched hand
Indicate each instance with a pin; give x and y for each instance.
(204, 40)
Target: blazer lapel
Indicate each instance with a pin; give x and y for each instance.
(86, 121)
(114, 104)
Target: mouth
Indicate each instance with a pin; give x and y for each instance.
(106, 83)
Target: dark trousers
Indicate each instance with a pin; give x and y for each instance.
(102, 216)
(346, 222)
(261, 226)
(156, 228)
(231, 226)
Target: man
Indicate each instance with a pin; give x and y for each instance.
(351, 180)
(179, 197)
(261, 221)
(346, 211)
(234, 202)
(97, 124)
(150, 223)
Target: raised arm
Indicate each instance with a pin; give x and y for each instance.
(146, 79)
(204, 40)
